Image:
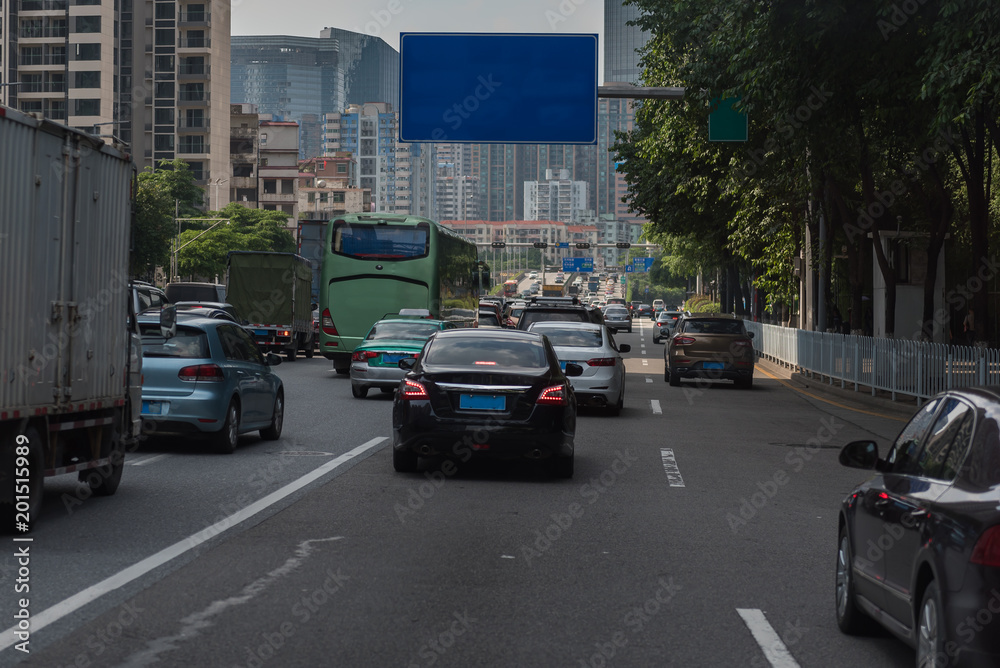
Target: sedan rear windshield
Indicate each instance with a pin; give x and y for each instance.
(416, 331)
(616, 312)
(483, 352)
(714, 326)
(572, 338)
(188, 344)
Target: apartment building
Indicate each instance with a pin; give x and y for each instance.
(555, 198)
(278, 147)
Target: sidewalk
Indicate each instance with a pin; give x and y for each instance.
(901, 409)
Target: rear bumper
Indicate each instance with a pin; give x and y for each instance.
(729, 372)
(199, 412)
(363, 375)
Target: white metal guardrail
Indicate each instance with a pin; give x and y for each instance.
(898, 366)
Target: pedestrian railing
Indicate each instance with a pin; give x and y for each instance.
(914, 368)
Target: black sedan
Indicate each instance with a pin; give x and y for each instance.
(485, 393)
(919, 543)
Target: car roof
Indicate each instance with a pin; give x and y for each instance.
(474, 332)
(185, 318)
(563, 324)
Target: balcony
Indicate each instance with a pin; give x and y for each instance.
(278, 197)
(189, 99)
(43, 6)
(193, 72)
(200, 43)
(196, 125)
(194, 19)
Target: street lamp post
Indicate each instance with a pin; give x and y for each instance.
(174, 268)
(215, 183)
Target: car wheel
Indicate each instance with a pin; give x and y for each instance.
(228, 436)
(745, 383)
(616, 409)
(273, 431)
(404, 461)
(629, 330)
(291, 352)
(104, 481)
(675, 379)
(561, 467)
(850, 618)
(930, 629)
(359, 391)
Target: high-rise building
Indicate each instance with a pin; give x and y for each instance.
(621, 62)
(556, 198)
(152, 73)
(303, 78)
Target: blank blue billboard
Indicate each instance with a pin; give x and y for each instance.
(498, 88)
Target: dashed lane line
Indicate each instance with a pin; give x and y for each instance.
(670, 467)
(774, 649)
(655, 405)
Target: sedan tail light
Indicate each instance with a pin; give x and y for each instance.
(683, 340)
(987, 550)
(207, 372)
(363, 355)
(326, 322)
(554, 395)
(413, 390)
(601, 361)
(743, 343)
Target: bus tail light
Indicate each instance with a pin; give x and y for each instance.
(326, 322)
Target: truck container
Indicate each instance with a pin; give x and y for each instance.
(273, 292)
(553, 290)
(70, 358)
(312, 237)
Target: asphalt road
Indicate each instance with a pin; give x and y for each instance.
(700, 521)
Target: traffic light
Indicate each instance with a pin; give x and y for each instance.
(540, 244)
(498, 244)
(623, 244)
(583, 245)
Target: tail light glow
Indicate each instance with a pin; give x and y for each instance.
(743, 343)
(601, 361)
(326, 322)
(413, 390)
(987, 550)
(363, 355)
(683, 340)
(554, 395)
(204, 372)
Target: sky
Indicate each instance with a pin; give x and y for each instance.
(387, 18)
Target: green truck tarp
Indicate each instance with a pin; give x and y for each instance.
(271, 288)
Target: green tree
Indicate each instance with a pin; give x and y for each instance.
(247, 230)
(161, 194)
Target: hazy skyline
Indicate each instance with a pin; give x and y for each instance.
(387, 18)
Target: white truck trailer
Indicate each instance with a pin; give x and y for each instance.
(70, 359)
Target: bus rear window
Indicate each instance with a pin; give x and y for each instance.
(380, 242)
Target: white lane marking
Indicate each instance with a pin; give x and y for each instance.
(200, 621)
(148, 460)
(655, 405)
(670, 467)
(648, 379)
(92, 593)
(774, 650)
(645, 362)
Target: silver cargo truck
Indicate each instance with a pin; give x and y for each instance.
(70, 356)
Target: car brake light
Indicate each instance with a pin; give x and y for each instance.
(207, 372)
(363, 355)
(413, 390)
(485, 363)
(327, 324)
(554, 395)
(987, 550)
(601, 361)
(683, 340)
(743, 343)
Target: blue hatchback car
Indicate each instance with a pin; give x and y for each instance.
(209, 379)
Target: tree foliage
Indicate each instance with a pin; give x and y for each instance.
(159, 195)
(203, 251)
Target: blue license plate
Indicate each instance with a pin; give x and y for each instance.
(260, 332)
(391, 359)
(152, 408)
(482, 402)
(713, 365)
(562, 365)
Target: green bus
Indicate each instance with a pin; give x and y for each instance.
(374, 264)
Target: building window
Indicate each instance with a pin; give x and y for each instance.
(163, 142)
(191, 144)
(246, 195)
(164, 116)
(243, 170)
(270, 187)
(87, 79)
(57, 110)
(263, 138)
(341, 167)
(193, 65)
(165, 89)
(164, 37)
(165, 10)
(88, 51)
(164, 63)
(87, 24)
(287, 186)
(195, 38)
(192, 92)
(31, 106)
(87, 107)
(197, 168)
(338, 197)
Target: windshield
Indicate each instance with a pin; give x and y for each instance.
(713, 327)
(572, 338)
(187, 344)
(415, 331)
(380, 242)
(486, 352)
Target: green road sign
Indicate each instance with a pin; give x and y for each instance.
(725, 123)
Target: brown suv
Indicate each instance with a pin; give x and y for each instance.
(709, 346)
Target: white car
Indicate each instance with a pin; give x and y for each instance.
(593, 347)
(533, 274)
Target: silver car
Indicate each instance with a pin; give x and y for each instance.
(617, 318)
(593, 347)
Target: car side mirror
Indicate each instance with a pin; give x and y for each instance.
(624, 348)
(313, 306)
(750, 334)
(168, 321)
(573, 369)
(407, 363)
(860, 455)
(273, 359)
